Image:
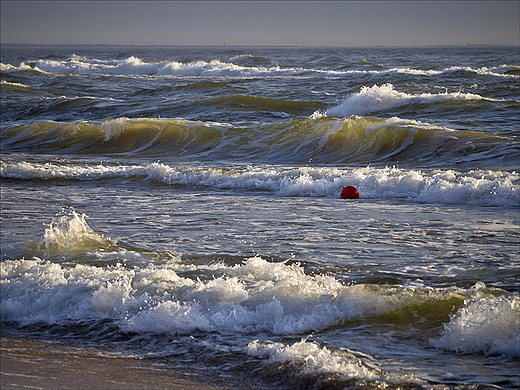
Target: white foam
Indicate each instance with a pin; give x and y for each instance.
(378, 98)
(307, 358)
(487, 188)
(475, 187)
(10, 84)
(146, 293)
(486, 324)
(499, 71)
(9, 67)
(47, 171)
(135, 66)
(69, 233)
(149, 296)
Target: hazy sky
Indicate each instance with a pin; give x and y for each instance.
(324, 23)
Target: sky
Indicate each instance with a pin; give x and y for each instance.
(266, 23)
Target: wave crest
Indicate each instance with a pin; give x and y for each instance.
(324, 140)
(379, 98)
(245, 65)
(476, 187)
(489, 325)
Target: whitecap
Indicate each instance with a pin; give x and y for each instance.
(486, 324)
(474, 187)
(379, 98)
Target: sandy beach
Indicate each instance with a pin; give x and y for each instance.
(36, 365)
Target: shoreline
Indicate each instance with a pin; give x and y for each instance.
(28, 364)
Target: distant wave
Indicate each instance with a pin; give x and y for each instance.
(242, 65)
(20, 88)
(500, 71)
(135, 66)
(4, 83)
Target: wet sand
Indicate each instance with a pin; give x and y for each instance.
(36, 365)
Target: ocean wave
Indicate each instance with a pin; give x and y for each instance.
(13, 87)
(238, 66)
(440, 186)
(145, 292)
(507, 71)
(374, 99)
(74, 278)
(307, 359)
(490, 325)
(144, 295)
(10, 67)
(155, 298)
(324, 140)
(136, 67)
(4, 83)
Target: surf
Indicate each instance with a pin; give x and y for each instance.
(149, 292)
(377, 98)
(439, 186)
(322, 140)
(244, 65)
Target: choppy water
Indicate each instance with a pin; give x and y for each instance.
(183, 204)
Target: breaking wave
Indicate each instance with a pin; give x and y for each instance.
(325, 140)
(143, 292)
(490, 325)
(476, 187)
(374, 99)
(238, 66)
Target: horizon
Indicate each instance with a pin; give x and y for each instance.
(260, 46)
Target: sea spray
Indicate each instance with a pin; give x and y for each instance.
(490, 325)
(370, 100)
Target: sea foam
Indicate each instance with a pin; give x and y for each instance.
(143, 293)
(490, 325)
(309, 359)
(146, 293)
(379, 98)
(474, 187)
(255, 296)
(240, 65)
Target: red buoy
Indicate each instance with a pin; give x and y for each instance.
(349, 192)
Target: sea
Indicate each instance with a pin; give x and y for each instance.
(182, 205)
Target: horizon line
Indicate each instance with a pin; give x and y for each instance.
(252, 45)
